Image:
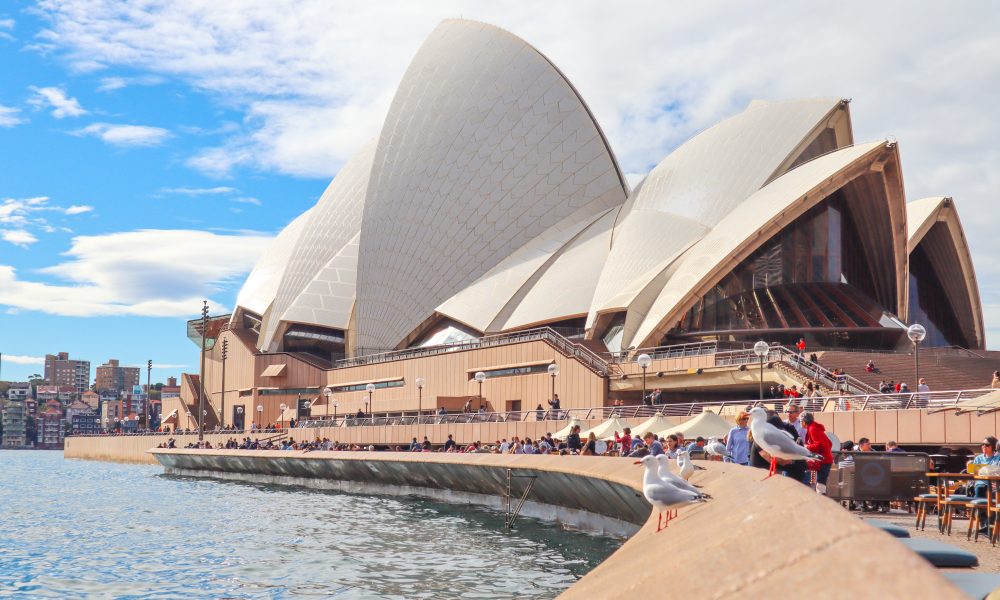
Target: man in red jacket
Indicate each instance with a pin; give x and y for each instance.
(818, 442)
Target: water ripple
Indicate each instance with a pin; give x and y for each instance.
(77, 529)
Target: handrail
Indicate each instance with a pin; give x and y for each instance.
(661, 352)
(857, 402)
(590, 359)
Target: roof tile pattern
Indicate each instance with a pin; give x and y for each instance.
(485, 147)
(332, 224)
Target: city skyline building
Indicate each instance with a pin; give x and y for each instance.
(60, 369)
(112, 376)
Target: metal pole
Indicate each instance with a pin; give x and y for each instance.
(201, 380)
(643, 402)
(420, 402)
(480, 402)
(916, 366)
(149, 390)
(761, 378)
(225, 354)
(368, 406)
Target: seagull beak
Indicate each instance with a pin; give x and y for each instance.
(638, 462)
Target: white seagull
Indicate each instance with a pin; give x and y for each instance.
(662, 494)
(663, 464)
(716, 448)
(776, 442)
(684, 465)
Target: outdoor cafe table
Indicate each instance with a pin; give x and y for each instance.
(990, 480)
(943, 479)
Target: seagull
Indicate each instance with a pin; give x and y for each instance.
(662, 494)
(717, 448)
(663, 463)
(684, 465)
(776, 442)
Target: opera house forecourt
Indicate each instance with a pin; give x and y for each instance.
(483, 270)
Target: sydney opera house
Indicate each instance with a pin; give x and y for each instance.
(489, 229)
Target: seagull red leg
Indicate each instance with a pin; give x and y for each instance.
(772, 470)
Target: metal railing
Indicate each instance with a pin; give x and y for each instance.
(663, 352)
(564, 345)
(814, 371)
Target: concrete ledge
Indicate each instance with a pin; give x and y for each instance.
(754, 539)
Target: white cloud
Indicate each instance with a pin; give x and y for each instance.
(10, 116)
(125, 135)
(6, 24)
(161, 273)
(24, 360)
(18, 237)
(78, 209)
(55, 98)
(183, 191)
(248, 200)
(111, 84)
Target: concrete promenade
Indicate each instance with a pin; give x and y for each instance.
(754, 539)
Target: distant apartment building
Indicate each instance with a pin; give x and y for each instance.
(111, 413)
(112, 376)
(13, 424)
(171, 390)
(76, 408)
(61, 370)
(93, 399)
(19, 391)
(50, 427)
(85, 423)
(60, 393)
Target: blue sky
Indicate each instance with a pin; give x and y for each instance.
(149, 151)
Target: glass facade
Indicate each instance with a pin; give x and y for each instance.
(816, 276)
(319, 342)
(937, 291)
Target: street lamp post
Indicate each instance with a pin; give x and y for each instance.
(644, 360)
(335, 413)
(189, 419)
(553, 371)
(370, 388)
(916, 333)
(260, 416)
(225, 355)
(149, 370)
(327, 393)
(201, 378)
(420, 397)
(480, 377)
(281, 417)
(761, 349)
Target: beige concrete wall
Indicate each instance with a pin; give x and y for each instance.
(912, 426)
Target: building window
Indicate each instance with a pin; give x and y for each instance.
(361, 387)
(288, 391)
(513, 371)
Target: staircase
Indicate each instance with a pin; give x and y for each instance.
(943, 369)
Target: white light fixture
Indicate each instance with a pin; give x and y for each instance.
(553, 369)
(761, 348)
(916, 333)
(480, 376)
(644, 360)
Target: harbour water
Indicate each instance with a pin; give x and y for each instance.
(80, 529)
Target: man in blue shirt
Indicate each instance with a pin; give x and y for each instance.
(654, 445)
(736, 441)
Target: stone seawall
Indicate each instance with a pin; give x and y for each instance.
(754, 539)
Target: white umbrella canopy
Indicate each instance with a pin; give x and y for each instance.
(606, 430)
(707, 424)
(657, 422)
(562, 433)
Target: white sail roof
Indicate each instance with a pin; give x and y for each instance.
(702, 181)
(485, 147)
